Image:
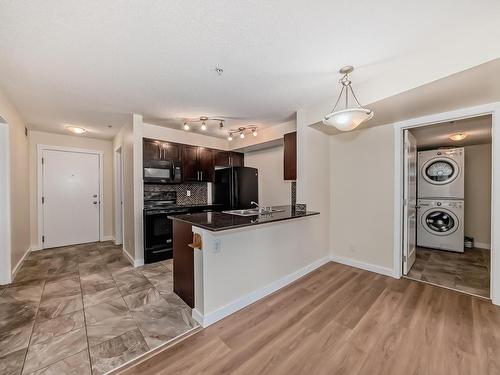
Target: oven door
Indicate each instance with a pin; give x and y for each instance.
(158, 235)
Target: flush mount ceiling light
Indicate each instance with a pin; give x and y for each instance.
(76, 129)
(458, 136)
(242, 131)
(349, 117)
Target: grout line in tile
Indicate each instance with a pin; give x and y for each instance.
(85, 322)
(33, 326)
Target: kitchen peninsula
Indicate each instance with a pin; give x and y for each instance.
(237, 260)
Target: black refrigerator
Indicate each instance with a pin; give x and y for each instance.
(235, 187)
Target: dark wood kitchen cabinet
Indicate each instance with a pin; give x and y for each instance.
(228, 159)
(290, 156)
(183, 262)
(198, 163)
(161, 150)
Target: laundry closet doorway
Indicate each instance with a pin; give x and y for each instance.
(455, 200)
(69, 196)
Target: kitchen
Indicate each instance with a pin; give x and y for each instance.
(202, 198)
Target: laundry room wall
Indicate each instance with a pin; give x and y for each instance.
(478, 194)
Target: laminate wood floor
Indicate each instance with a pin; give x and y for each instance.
(468, 272)
(342, 320)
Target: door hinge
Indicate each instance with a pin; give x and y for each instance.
(43, 200)
(42, 161)
(43, 238)
(404, 258)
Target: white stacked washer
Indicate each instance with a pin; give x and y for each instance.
(440, 191)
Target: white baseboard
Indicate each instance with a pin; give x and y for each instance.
(238, 304)
(107, 238)
(364, 266)
(127, 255)
(36, 248)
(19, 264)
(481, 245)
(134, 262)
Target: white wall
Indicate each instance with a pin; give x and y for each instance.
(362, 196)
(272, 133)
(19, 184)
(125, 140)
(181, 136)
(273, 189)
(313, 184)
(478, 193)
(52, 139)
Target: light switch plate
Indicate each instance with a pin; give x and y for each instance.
(188, 193)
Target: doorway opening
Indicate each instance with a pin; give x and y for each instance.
(70, 186)
(118, 196)
(5, 251)
(447, 209)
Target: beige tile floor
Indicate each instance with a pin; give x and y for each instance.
(84, 309)
(467, 272)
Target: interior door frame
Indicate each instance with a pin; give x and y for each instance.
(40, 149)
(118, 187)
(5, 208)
(492, 109)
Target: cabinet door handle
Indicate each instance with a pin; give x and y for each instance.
(201, 179)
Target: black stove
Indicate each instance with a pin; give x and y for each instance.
(158, 232)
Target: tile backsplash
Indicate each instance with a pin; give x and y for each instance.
(199, 191)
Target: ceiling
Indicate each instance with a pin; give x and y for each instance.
(92, 63)
(478, 85)
(478, 130)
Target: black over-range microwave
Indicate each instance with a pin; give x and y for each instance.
(162, 172)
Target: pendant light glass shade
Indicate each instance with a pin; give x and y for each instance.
(348, 118)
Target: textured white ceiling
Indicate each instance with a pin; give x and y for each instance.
(91, 63)
(478, 130)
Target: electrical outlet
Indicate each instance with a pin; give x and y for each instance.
(217, 246)
(188, 193)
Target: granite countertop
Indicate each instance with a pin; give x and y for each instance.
(218, 221)
(200, 205)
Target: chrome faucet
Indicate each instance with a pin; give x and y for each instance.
(262, 209)
(256, 204)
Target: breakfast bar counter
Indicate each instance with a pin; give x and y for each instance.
(224, 262)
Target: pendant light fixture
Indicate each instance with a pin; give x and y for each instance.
(349, 117)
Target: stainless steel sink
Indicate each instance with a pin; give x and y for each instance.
(252, 212)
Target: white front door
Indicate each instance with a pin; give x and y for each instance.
(70, 198)
(410, 202)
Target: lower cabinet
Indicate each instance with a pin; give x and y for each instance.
(183, 262)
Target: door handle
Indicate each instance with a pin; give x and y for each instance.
(95, 202)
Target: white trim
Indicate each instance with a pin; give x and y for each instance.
(107, 238)
(118, 194)
(363, 265)
(5, 206)
(492, 109)
(40, 148)
(482, 245)
(238, 304)
(135, 262)
(19, 264)
(127, 255)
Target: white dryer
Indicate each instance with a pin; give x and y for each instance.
(441, 173)
(440, 224)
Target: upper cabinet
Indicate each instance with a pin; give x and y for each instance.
(198, 163)
(161, 150)
(290, 156)
(229, 159)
